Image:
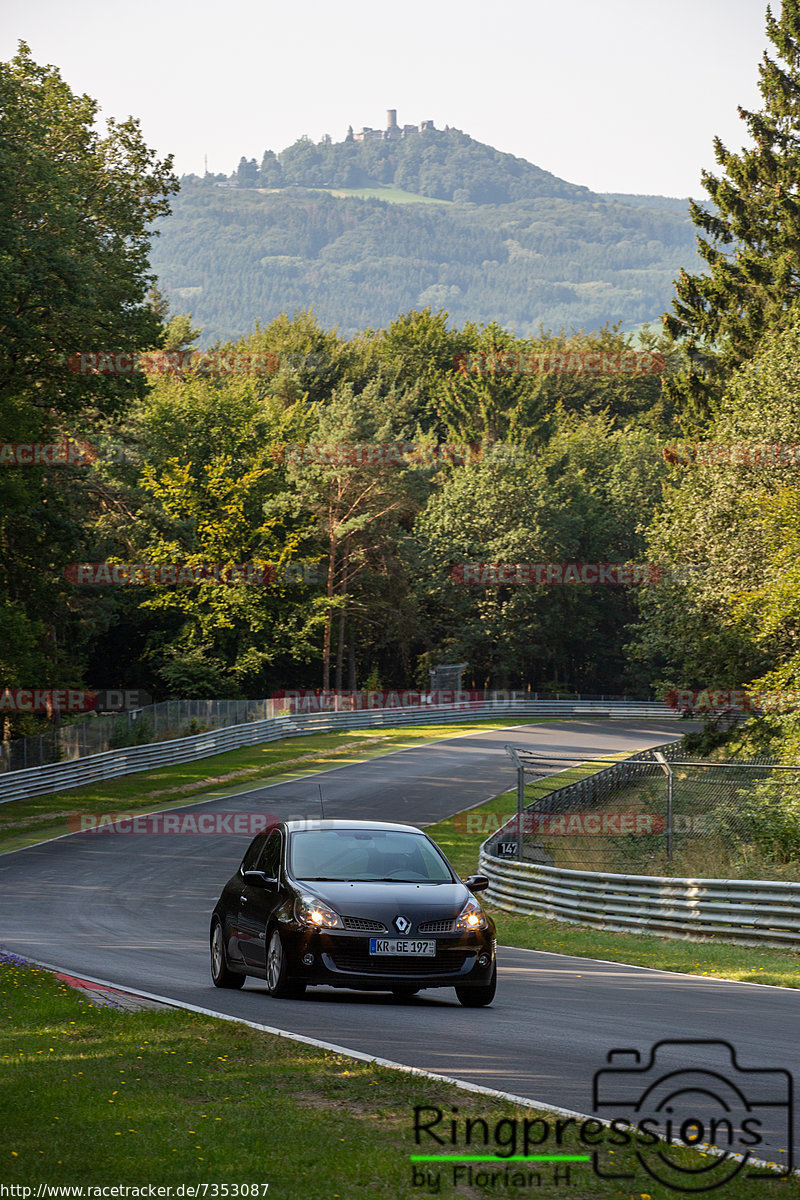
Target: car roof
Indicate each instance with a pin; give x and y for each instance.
(325, 823)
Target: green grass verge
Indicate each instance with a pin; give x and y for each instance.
(106, 1097)
(24, 822)
(720, 959)
(391, 195)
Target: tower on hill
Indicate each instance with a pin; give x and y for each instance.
(392, 132)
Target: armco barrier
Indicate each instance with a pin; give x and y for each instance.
(37, 781)
(751, 912)
(164, 720)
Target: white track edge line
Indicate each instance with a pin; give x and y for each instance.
(333, 1047)
(612, 962)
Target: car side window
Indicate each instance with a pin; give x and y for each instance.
(253, 851)
(270, 861)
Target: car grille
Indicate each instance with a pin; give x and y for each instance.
(437, 926)
(446, 962)
(364, 925)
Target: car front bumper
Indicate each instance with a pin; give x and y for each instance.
(340, 959)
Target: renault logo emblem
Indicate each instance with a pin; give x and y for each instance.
(403, 925)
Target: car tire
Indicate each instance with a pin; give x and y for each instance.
(478, 997)
(404, 993)
(278, 982)
(221, 974)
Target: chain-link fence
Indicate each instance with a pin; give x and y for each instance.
(659, 813)
(95, 734)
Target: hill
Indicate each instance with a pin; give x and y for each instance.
(441, 164)
(490, 237)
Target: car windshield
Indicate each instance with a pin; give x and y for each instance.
(368, 855)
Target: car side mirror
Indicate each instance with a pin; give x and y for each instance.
(259, 879)
(476, 883)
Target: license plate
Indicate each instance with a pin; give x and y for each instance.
(402, 946)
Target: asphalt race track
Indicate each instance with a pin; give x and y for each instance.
(134, 910)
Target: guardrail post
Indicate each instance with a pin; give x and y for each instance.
(668, 770)
(512, 753)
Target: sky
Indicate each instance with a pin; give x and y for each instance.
(617, 95)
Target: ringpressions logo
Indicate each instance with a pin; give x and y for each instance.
(650, 1108)
(689, 1092)
(497, 1154)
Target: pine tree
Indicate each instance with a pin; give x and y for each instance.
(750, 238)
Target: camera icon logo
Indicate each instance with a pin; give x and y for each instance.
(693, 1092)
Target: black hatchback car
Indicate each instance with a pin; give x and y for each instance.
(353, 904)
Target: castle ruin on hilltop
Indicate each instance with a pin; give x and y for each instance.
(391, 133)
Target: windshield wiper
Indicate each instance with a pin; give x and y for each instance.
(372, 879)
(393, 879)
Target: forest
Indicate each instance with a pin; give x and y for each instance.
(258, 455)
(364, 232)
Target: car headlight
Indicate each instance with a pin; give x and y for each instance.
(315, 914)
(471, 918)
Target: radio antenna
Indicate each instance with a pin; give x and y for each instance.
(321, 805)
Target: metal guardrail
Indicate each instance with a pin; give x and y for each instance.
(750, 912)
(168, 719)
(37, 781)
(94, 734)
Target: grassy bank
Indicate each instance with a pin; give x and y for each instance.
(107, 1097)
(24, 822)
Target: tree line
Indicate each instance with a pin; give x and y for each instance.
(192, 465)
(233, 256)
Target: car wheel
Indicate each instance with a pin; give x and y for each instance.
(477, 997)
(278, 982)
(222, 976)
(404, 993)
